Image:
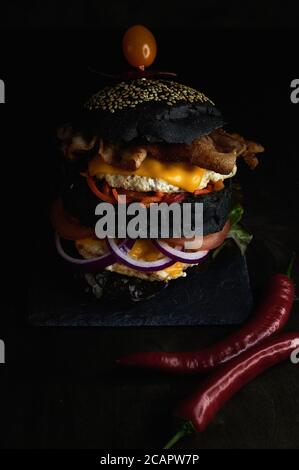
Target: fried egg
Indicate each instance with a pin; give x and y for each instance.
(144, 183)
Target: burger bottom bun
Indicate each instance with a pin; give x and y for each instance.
(196, 299)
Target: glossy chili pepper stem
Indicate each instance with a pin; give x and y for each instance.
(186, 429)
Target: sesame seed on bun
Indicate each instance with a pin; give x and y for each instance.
(151, 110)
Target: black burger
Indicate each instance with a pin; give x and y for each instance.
(153, 141)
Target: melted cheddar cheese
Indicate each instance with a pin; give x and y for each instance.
(183, 175)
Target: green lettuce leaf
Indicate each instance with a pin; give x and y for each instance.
(236, 214)
(237, 232)
(240, 236)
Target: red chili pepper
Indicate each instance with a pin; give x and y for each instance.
(92, 185)
(171, 198)
(106, 188)
(115, 194)
(269, 318)
(200, 408)
(206, 190)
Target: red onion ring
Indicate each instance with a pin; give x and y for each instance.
(146, 266)
(93, 264)
(179, 255)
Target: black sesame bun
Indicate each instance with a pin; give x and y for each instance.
(152, 111)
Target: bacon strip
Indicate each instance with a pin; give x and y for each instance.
(217, 151)
(73, 144)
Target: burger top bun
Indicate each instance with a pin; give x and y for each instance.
(152, 111)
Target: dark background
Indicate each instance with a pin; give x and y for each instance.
(165, 14)
(60, 388)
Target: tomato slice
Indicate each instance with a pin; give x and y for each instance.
(211, 241)
(66, 226)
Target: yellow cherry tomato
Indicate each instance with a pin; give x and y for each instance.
(139, 46)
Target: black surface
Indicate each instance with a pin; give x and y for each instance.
(60, 387)
(218, 295)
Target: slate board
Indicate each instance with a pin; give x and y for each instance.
(218, 295)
